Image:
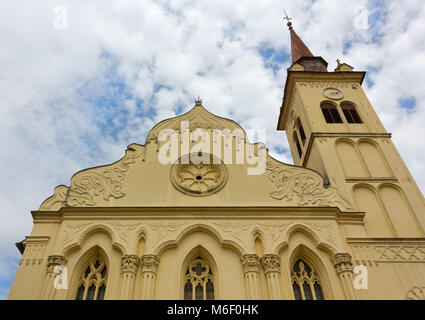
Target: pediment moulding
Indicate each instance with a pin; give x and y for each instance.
(112, 186)
(197, 118)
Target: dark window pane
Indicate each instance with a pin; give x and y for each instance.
(80, 293)
(356, 116)
(335, 116)
(348, 116)
(210, 290)
(199, 292)
(318, 291)
(297, 143)
(90, 293)
(307, 291)
(199, 269)
(188, 291)
(297, 291)
(327, 115)
(97, 264)
(351, 113)
(302, 132)
(86, 274)
(101, 293)
(103, 272)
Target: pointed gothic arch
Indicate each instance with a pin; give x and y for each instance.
(92, 268)
(307, 270)
(199, 275)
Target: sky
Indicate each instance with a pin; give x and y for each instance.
(81, 80)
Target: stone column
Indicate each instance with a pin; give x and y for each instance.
(271, 266)
(251, 269)
(344, 268)
(129, 265)
(149, 264)
(49, 285)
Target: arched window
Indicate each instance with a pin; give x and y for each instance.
(92, 283)
(199, 281)
(305, 282)
(350, 113)
(301, 130)
(297, 143)
(330, 112)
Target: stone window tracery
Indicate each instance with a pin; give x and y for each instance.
(92, 283)
(305, 282)
(199, 281)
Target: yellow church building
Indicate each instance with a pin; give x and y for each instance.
(200, 213)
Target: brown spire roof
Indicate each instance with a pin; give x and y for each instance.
(299, 49)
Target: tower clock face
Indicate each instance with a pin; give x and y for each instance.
(334, 94)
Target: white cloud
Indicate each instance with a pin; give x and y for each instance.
(53, 122)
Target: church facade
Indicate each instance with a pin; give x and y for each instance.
(199, 212)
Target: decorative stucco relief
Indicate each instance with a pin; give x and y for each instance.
(302, 187)
(56, 201)
(325, 229)
(72, 230)
(202, 177)
(161, 230)
(238, 231)
(33, 254)
(369, 254)
(275, 231)
(329, 84)
(91, 186)
(125, 230)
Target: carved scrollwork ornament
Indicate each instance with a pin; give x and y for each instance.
(271, 263)
(129, 263)
(149, 263)
(342, 263)
(250, 263)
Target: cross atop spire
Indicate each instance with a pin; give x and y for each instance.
(287, 19)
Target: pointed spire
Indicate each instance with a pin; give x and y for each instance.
(299, 49)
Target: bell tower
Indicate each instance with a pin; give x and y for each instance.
(333, 129)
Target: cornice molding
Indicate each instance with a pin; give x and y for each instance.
(155, 213)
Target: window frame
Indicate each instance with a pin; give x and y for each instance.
(327, 108)
(202, 279)
(351, 109)
(86, 281)
(305, 278)
(301, 131)
(297, 144)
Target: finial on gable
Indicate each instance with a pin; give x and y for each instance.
(198, 101)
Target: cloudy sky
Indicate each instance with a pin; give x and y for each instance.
(76, 97)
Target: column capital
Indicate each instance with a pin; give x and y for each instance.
(55, 260)
(271, 263)
(342, 263)
(250, 263)
(149, 263)
(129, 263)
